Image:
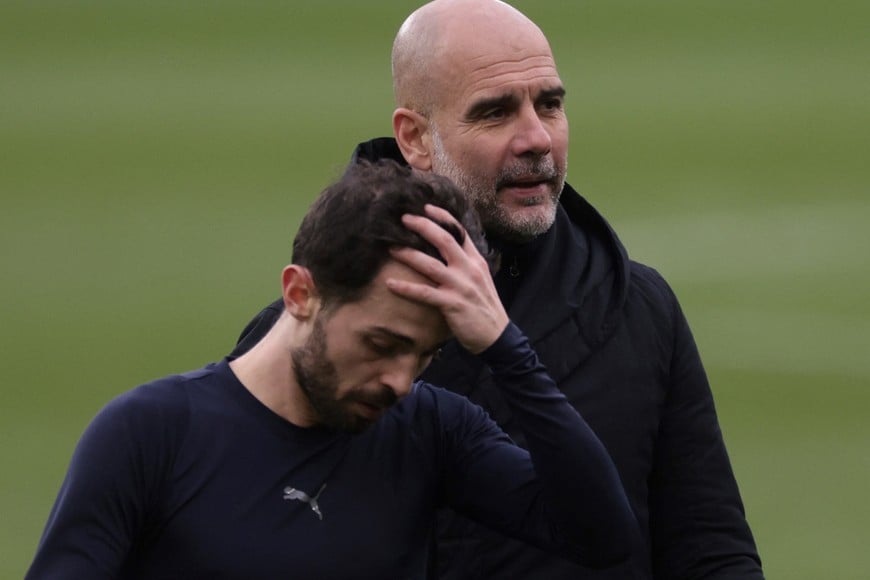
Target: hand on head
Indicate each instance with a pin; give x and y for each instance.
(463, 288)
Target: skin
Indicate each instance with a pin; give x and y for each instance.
(342, 367)
(480, 101)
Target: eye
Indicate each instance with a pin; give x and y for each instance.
(379, 347)
(552, 105)
(494, 114)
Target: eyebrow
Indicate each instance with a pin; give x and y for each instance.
(550, 93)
(481, 107)
(508, 100)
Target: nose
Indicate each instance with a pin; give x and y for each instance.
(532, 136)
(400, 373)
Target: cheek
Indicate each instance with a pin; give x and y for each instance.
(482, 157)
(559, 139)
(346, 360)
(353, 370)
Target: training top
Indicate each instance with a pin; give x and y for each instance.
(191, 477)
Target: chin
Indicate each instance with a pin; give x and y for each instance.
(528, 224)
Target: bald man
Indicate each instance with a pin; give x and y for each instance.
(479, 99)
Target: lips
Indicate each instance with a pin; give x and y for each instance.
(527, 181)
(531, 187)
(370, 411)
(375, 406)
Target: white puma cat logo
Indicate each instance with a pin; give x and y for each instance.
(293, 493)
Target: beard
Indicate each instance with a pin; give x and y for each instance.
(318, 379)
(498, 220)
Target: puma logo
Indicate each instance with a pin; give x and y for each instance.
(299, 495)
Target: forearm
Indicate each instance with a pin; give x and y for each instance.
(581, 493)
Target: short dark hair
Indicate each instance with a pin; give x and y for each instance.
(345, 237)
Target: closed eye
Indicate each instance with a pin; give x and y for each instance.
(380, 347)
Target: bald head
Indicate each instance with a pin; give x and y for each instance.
(479, 100)
(439, 36)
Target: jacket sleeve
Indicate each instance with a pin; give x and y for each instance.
(564, 494)
(698, 526)
(112, 481)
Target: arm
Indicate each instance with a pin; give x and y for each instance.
(564, 494)
(697, 522)
(103, 502)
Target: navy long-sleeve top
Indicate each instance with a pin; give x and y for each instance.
(192, 477)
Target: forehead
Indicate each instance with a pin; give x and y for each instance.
(380, 310)
(498, 64)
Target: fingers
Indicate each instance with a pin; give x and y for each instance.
(432, 231)
(441, 215)
(422, 293)
(425, 264)
(461, 260)
(462, 288)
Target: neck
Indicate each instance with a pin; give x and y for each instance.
(267, 372)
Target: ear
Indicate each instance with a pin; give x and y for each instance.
(300, 294)
(411, 130)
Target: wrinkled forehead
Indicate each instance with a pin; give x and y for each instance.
(496, 64)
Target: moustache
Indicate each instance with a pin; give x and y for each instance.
(543, 169)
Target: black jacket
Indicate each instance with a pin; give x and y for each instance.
(613, 336)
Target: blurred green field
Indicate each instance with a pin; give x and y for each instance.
(155, 159)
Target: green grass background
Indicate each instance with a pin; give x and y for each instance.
(155, 160)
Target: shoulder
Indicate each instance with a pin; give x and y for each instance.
(652, 304)
(151, 412)
(164, 396)
(652, 286)
(134, 440)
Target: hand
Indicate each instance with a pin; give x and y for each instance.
(463, 290)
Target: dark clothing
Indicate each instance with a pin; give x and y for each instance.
(612, 335)
(192, 477)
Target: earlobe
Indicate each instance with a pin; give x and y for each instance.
(300, 293)
(411, 130)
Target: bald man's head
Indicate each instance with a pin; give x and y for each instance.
(440, 35)
(480, 101)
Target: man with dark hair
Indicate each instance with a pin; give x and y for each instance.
(315, 454)
(479, 99)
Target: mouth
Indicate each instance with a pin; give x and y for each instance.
(372, 409)
(530, 187)
(528, 177)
